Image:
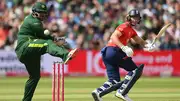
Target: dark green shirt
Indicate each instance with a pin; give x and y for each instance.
(31, 28)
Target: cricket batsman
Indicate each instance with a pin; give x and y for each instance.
(117, 54)
(32, 43)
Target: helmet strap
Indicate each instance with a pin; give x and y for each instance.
(128, 18)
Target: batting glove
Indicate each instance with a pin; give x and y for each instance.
(129, 52)
(150, 47)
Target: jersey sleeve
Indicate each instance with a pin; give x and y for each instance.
(134, 33)
(120, 28)
(38, 30)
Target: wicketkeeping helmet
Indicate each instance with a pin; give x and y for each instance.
(40, 10)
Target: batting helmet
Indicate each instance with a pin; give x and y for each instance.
(134, 13)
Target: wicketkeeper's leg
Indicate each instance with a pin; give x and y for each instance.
(33, 67)
(40, 47)
(31, 58)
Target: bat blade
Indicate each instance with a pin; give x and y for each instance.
(163, 29)
(72, 52)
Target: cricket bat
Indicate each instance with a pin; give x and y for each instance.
(71, 53)
(163, 29)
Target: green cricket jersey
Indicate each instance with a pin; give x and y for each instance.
(31, 28)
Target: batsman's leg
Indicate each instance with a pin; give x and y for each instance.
(106, 88)
(114, 87)
(112, 84)
(130, 80)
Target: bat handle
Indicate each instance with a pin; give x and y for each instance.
(154, 41)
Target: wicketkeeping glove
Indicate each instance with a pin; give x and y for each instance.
(129, 52)
(60, 41)
(56, 39)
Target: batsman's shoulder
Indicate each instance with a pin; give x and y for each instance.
(122, 26)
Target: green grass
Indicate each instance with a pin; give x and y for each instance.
(79, 89)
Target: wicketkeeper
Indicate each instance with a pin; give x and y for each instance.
(32, 43)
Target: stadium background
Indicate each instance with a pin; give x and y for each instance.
(87, 24)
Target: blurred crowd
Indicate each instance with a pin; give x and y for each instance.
(88, 24)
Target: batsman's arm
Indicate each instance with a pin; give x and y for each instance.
(115, 39)
(140, 41)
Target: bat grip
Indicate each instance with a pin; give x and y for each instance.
(154, 41)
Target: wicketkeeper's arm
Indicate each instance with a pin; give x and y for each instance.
(38, 29)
